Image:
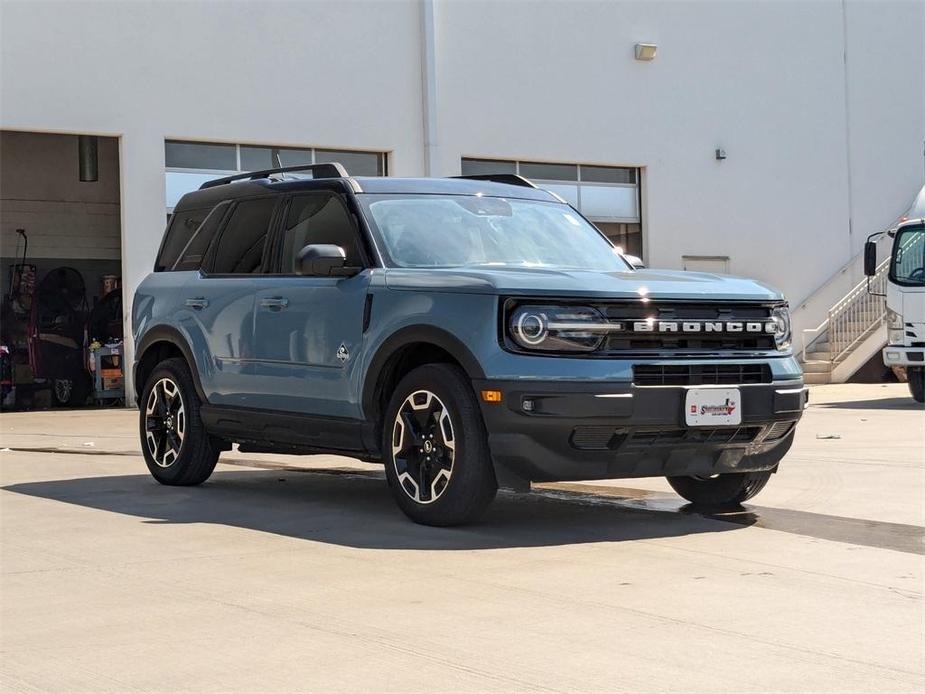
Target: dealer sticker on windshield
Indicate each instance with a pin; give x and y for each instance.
(711, 407)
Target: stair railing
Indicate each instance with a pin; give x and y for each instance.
(851, 319)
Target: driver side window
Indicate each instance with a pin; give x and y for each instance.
(315, 219)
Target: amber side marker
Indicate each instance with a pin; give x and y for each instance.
(491, 395)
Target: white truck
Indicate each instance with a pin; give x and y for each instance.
(905, 294)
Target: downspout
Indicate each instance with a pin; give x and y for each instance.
(429, 87)
(844, 15)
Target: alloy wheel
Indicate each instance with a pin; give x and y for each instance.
(423, 446)
(165, 422)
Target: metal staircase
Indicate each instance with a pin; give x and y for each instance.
(850, 323)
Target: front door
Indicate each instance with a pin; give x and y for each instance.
(309, 330)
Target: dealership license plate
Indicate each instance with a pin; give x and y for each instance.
(711, 407)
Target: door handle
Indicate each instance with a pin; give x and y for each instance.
(276, 303)
(197, 303)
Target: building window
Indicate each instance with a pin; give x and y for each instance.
(190, 164)
(607, 195)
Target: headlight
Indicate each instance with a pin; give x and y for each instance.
(895, 333)
(557, 328)
(782, 334)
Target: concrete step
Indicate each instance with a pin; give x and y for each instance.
(818, 368)
(818, 356)
(815, 379)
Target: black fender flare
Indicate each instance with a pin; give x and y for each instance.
(409, 335)
(166, 333)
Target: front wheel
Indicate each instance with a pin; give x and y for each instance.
(726, 490)
(916, 378)
(435, 448)
(176, 446)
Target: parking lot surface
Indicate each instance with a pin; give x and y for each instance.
(286, 574)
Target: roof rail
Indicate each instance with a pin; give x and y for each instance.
(510, 179)
(327, 170)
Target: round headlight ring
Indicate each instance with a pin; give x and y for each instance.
(531, 328)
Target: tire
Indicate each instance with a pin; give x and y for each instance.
(175, 445)
(70, 392)
(726, 490)
(435, 448)
(917, 383)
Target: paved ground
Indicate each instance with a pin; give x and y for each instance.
(285, 574)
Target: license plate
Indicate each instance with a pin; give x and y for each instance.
(710, 407)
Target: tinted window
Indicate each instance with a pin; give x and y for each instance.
(194, 251)
(320, 218)
(240, 248)
(181, 227)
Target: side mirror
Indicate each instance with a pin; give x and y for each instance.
(320, 260)
(635, 261)
(870, 258)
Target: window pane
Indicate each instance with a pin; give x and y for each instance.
(182, 227)
(604, 201)
(199, 155)
(240, 249)
(256, 158)
(292, 157)
(549, 172)
(196, 244)
(180, 183)
(476, 167)
(607, 174)
(627, 237)
(567, 193)
(318, 219)
(356, 163)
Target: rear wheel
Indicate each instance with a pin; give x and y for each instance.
(730, 489)
(176, 447)
(916, 378)
(435, 448)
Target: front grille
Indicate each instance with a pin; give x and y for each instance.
(700, 374)
(681, 311)
(602, 438)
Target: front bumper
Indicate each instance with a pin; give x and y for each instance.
(897, 355)
(594, 430)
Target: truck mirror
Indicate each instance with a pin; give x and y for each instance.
(870, 258)
(320, 260)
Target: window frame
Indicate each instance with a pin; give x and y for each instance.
(361, 235)
(208, 261)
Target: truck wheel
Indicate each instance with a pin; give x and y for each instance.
(730, 489)
(435, 448)
(176, 447)
(917, 384)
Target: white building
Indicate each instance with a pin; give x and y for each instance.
(765, 139)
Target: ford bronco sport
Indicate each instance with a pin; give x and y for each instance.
(465, 332)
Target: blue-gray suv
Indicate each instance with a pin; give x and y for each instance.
(465, 332)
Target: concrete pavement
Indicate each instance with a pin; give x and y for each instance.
(300, 574)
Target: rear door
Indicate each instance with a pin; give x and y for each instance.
(309, 330)
(220, 299)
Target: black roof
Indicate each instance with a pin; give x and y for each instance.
(213, 195)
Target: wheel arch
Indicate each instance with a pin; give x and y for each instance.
(406, 349)
(159, 343)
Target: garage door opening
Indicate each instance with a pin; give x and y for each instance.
(61, 329)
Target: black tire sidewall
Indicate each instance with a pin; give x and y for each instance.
(196, 452)
(916, 379)
(722, 491)
(472, 482)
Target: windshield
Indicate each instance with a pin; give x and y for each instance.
(908, 263)
(470, 231)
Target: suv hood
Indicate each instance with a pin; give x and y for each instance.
(674, 284)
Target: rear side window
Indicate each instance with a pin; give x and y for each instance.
(241, 245)
(180, 230)
(316, 219)
(197, 245)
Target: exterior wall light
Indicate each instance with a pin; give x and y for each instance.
(720, 154)
(646, 51)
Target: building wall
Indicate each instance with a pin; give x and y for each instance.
(520, 80)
